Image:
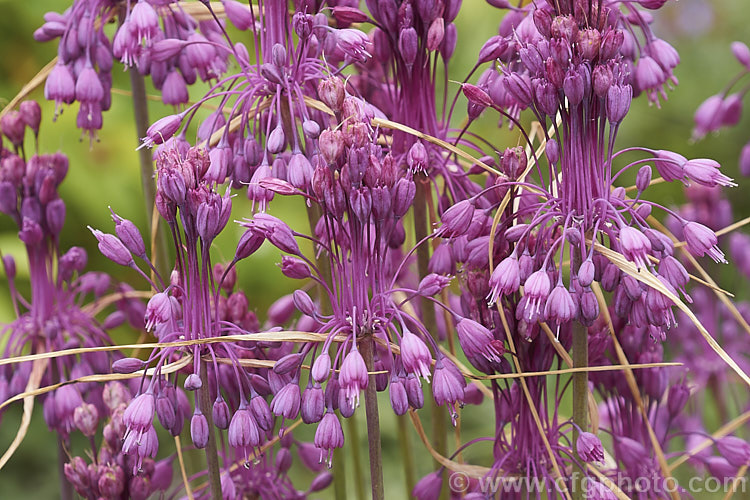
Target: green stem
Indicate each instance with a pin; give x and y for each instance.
(140, 110)
(421, 226)
(373, 423)
(352, 430)
(580, 401)
(407, 454)
(212, 455)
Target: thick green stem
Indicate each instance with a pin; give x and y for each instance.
(212, 455)
(407, 454)
(352, 432)
(580, 401)
(373, 423)
(421, 227)
(140, 110)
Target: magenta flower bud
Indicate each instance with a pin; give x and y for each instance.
(476, 95)
(13, 127)
(398, 397)
(165, 412)
(519, 87)
(31, 115)
(321, 367)
(408, 43)
(457, 219)
(403, 196)
(114, 395)
(313, 405)
(140, 412)
(129, 235)
(348, 15)
(589, 447)
(199, 431)
(299, 171)
(602, 79)
(239, 14)
(281, 310)
(432, 284)
(9, 264)
(573, 86)
(220, 159)
(328, 436)
(164, 50)
(731, 110)
(332, 92)
(261, 412)
(8, 198)
(287, 401)
(414, 391)
(161, 130)
(429, 487)
(492, 49)
(702, 241)
(643, 178)
(720, 468)
(677, 399)
(127, 365)
(589, 307)
(618, 102)
(670, 165)
(353, 377)
(741, 53)
(193, 382)
(86, 419)
(55, 215)
(207, 219)
(30, 233)
(321, 481)
(586, 273)
(249, 243)
(331, 144)
(294, 268)
(111, 247)
(735, 450)
(111, 480)
(288, 363)
(546, 97)
(220, 413)
(560, 307)
(435, 34)
(304, 303)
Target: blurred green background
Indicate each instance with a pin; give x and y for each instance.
(106, 174)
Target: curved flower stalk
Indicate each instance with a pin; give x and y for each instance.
(86, 53)
(725, 108)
